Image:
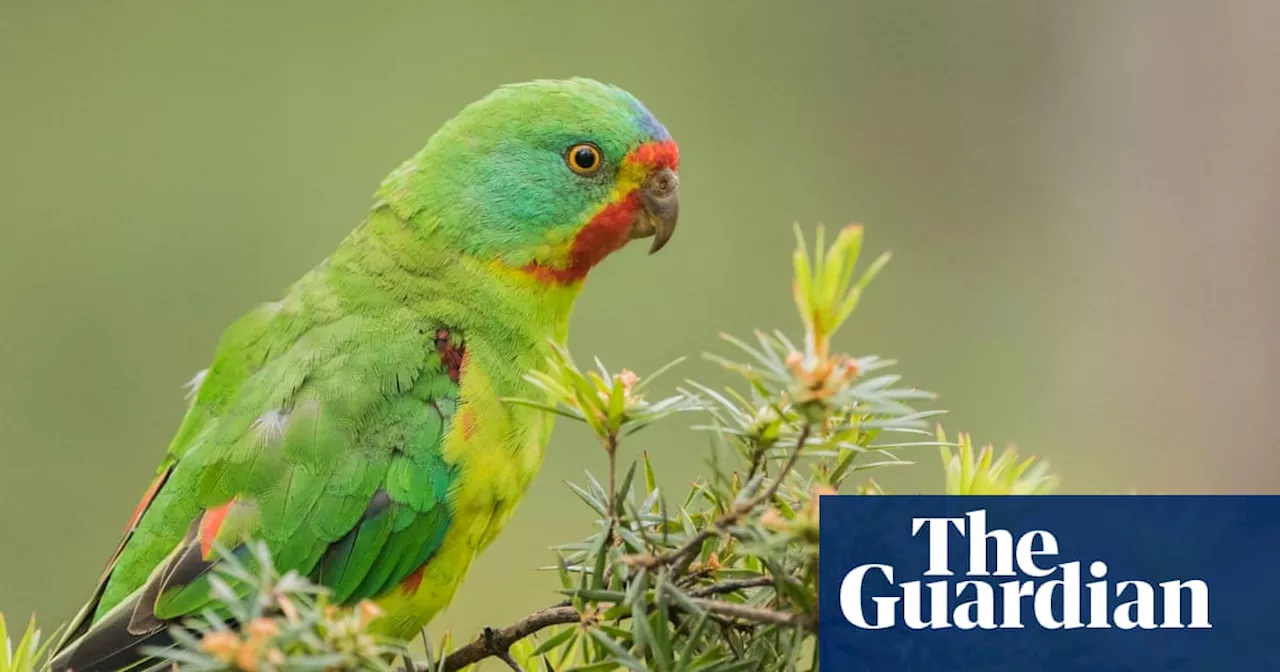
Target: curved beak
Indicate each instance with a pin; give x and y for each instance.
(660, 196)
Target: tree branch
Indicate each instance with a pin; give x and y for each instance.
(497, 642)
(611, 447)
(754, 614)
(677, 557)
(782, 473)
(732, 586)
(757, 459)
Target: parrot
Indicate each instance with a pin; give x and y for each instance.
(358, 426)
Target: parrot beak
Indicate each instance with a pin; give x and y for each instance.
(660, 195)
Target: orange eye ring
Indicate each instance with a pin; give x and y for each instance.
(584, 158)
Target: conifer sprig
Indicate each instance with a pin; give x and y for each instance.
(716, 577)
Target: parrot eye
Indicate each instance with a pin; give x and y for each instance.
(583, 158)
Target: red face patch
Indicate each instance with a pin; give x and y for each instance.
(603, 235)
(607, 231)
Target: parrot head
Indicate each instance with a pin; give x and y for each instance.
(543, 178)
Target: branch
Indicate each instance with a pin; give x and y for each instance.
(497, 642)
(676, 557)
(755, 614)
(786, 469)
(611, 447)
(732, 586)
(757, 459)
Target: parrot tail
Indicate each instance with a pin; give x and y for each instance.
(116, 640)
(109, 647)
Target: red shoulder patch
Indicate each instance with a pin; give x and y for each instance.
(452, 353)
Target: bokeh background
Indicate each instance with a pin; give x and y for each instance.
(1082, 199)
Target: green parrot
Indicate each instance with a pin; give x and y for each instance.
(356, 426)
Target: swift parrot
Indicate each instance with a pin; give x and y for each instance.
(356, 425)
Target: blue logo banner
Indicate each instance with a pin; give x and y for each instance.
(1050, 583)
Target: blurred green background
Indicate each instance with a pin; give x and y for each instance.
(1081, 197)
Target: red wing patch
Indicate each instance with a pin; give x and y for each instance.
(146, 499)
(138, 512)
(210, 523)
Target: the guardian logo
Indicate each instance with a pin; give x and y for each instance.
(1011, 582)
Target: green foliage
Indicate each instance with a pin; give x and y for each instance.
(970, 473)
(717, 578)
(29, 653)
(281, 622)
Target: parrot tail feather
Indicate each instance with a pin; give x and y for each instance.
(109, 647)
(116, 640)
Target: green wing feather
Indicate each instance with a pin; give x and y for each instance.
(317, 431)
